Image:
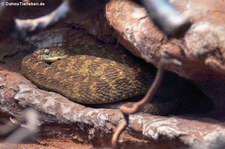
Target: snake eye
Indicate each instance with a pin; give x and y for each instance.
(46, 51)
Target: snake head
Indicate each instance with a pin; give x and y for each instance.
(49, 55)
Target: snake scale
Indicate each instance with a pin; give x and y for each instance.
(96, 75)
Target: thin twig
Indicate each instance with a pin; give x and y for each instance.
(119, 131)
(135, 107)
(126, 111)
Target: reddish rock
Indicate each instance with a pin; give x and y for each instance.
(75, 122)
(200, 55)
(201, 52)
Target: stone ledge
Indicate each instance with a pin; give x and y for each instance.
(96, 126)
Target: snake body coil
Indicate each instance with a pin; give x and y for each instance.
(89, 75)
(94, 75)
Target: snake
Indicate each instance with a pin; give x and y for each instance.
(93, 75)
(88, 75)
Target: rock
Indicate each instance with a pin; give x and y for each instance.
(201, 52)
(62, 118)
(94, 23)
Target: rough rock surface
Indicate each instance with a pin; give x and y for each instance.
(95, 126)
(201, 52)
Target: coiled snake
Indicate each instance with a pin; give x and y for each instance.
(88, 75)
(92, 75)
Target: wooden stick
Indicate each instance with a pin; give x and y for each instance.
(135, 107)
